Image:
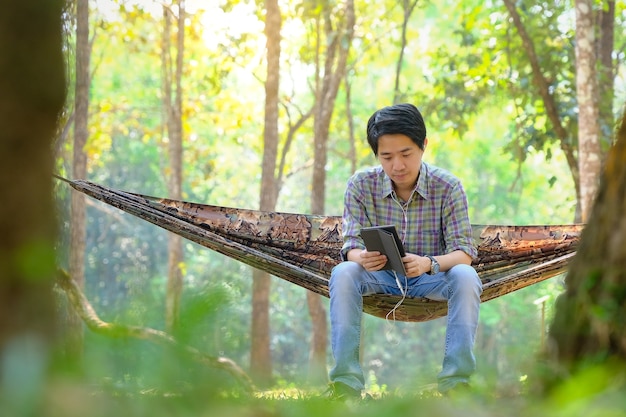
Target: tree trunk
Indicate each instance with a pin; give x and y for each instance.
(260, 355)
(32, 82)
(589, 152)
(588, 326)
(335, 63)
(74, 329)
(172, 104)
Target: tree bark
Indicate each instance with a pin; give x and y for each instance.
(33, 86)
(172, 104)
(78, 231)
(260, 355)
(335, 63)
(589, 152)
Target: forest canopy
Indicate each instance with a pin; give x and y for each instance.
(174, 105)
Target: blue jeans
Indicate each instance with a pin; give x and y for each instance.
(460, 286)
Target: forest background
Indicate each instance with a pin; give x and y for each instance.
(463, 64)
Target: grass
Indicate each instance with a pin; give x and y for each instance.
(588, 395)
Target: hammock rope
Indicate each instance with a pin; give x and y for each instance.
(303, 248)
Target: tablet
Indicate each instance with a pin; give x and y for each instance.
(384, 239)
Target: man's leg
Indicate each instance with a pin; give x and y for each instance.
(349, 282)
(464, 289)
(461, 288)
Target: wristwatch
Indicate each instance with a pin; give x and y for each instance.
(434, 265)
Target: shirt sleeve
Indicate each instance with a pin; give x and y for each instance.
(457, 230)
(354, 217)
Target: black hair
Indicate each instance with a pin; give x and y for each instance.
(402, 118)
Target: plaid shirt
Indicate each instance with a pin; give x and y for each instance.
(434, 221)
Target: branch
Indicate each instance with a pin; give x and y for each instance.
(87, 313)
(543, 87)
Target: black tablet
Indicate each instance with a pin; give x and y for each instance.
(385, 239)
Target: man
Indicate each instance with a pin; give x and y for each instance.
(428, 206)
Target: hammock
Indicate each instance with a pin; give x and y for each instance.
(303, 248)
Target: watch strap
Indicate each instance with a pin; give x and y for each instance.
(433, 265)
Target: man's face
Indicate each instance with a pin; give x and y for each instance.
(401, 159)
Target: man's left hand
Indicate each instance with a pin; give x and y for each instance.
(416, 265)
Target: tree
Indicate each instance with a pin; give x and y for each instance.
(79, 170)
(522, 53)
(589, 151)
(33, 85)
(172, 106)
(337, 35)
(260, 356)
(584, 160)
(543, 81)
(588, 327)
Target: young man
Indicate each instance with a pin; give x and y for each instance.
(428, 206)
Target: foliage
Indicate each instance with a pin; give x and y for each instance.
(604, 398)
(462, 67)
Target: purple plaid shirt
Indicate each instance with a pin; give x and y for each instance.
(433, 222)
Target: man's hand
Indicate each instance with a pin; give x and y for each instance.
(416, 265)
(372, 261)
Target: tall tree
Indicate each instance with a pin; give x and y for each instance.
(172, 70)
(589, 151)
(539, 82)
(336, 36)
(591, 51)
(78, 225)
(260, 356)
(32, 81)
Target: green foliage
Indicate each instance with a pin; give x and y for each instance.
(596, 392)
(463, 67)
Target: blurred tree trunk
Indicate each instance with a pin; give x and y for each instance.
(172, 105)
(78, 231)
(588, 327)
(589, 152)
(32, 82)
(338, 38)
(260, 355)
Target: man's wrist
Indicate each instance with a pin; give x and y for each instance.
(434, 265)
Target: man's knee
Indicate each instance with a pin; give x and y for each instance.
(465, 278)
(344, 274)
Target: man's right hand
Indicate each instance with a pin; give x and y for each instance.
(371, 261)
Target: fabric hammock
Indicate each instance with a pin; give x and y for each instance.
(303, 248)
